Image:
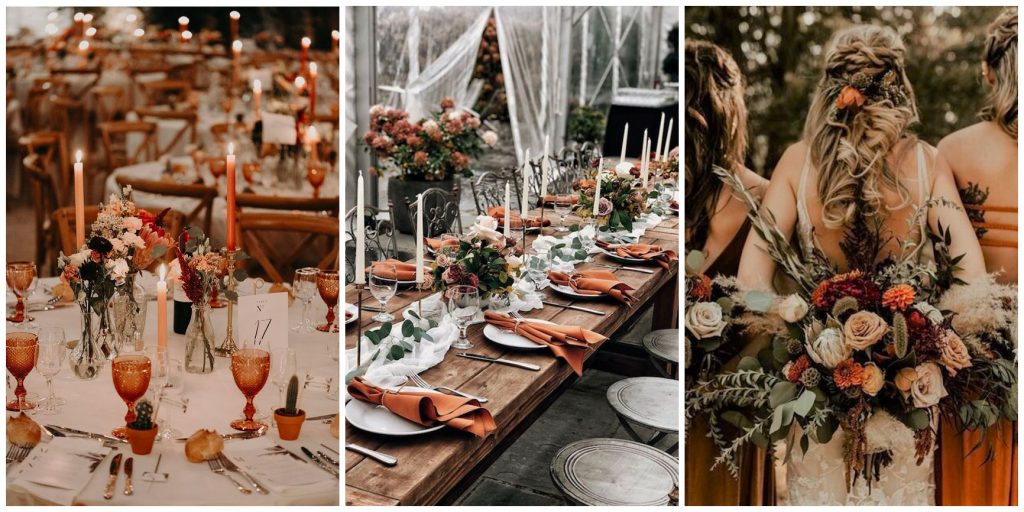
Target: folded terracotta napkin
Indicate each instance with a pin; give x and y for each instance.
(642, 251)
(405, 271)
(498, 212)
(567, 342)
(571, 199)
(594, 282)
(427, 408)
(435, 243)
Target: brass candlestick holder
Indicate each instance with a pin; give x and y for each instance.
(228, 347)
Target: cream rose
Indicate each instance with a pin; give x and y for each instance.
(874, 379)
(704, 320)
(793, 308)
(864, 329)
(119, 270)
(954, 353)
(928, 389)
(486, 228)
(490, 138)
(828, 348)
(930, 312)
(622, 170)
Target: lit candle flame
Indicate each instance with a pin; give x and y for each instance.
(84, 45)
(79, 16)
(87, 18)
(237, 46)
(257, 86)
(335, 34)
(231, 148)
(300, 82)
(306, 42)
(234, 15)
(131, 18)
(91, 31)
(183, 20)
(78, 156)
(139, 32)
(163, 272)
(186, 35)
(312, 69)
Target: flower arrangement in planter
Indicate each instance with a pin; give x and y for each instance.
(142, 432)
(290, 418)
(621, 200)
(432, 149)
(484, 259)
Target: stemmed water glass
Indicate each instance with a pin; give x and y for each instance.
(562, 208)
(383, 285)
(303, 288)
(463, 305)
(22, 349)
(52, 352)
(250, 367)
(20, 277)
(328, 284)
(174, 380)
(131, 373)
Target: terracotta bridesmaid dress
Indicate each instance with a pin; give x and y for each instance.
(756, 485)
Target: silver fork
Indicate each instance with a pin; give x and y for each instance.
(424, 384)
(17, 453)
(218, 468)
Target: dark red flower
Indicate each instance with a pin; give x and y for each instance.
(851, 284)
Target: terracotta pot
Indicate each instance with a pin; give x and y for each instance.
(288, 427)
(142, 440)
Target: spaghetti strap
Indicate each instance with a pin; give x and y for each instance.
(922, 174)
(805, 228)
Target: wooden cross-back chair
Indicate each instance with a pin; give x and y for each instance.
(288, 203)
(109, 103)
(45, 199)
(201, 215)
(64, 220)
(115, 142)
(52, 147)
(38, 101)
(68, 114)
(189, 118)
(78, 90)
(164, 92)
(252, 226)
(380, 236)
(489, 189)
(440, 211)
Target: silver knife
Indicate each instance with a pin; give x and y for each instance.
(321, 417)
(319, 462)
(517, 364)
(577, 308)
(128, 466)
(326, 457)
(81, 433)
(622, 267)
(115, 465)
(231, 466)
(383, 458)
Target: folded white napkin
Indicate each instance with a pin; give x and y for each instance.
(57, 471)
(276, 469)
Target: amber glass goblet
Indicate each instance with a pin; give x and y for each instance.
(218, 168)
(316, 175)
(131, 375)
(328, 284)
(250, 368)
(22, 349)
(250, 170)
(20, 275)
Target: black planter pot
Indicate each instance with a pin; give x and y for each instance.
(399, 190)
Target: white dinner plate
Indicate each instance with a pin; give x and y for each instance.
(376, 419)
(354, 310)
(510, 339)
(624, 259)
(566, 290)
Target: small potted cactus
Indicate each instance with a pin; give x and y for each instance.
(290, 418)
(142, 432)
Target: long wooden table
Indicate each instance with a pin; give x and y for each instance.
(431, 465)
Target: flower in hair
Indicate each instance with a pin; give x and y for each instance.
(849, 97)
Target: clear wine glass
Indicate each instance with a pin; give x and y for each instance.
(50, 359)
(173, 394)
(383, 285)
(304, 289)
(283, 366)
(463, 306)
(562, 208)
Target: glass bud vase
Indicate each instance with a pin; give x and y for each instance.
(199, 348)
(90, 354)
(129, 314)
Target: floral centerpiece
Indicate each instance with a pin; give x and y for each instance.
(124, 240)
(484, 259)
(432, 149)
(622, 200)
(865, 351)
(199, 269)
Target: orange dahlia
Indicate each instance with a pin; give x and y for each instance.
(699, 287)
(798, 367)
(848, 373)
(899, 297)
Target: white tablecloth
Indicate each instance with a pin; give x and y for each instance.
(215, 401)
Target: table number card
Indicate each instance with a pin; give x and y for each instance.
(278, 128)
(263, 319)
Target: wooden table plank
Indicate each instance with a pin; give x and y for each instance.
(429, 466)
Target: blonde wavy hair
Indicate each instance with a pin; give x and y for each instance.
(1001, 59)
(849, 146)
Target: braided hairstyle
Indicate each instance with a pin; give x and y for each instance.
(862, 107)
(1001, 59)
(716, 131)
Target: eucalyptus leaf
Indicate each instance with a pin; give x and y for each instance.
(758, 301)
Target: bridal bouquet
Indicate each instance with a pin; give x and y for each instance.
(855, 351)
(432, 149)
(484, 258)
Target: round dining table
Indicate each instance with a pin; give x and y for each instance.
(213, 402)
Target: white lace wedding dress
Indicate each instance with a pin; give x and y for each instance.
(818, 477)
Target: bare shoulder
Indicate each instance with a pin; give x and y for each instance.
(961, 141)
(787, 170)
(752, 181)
